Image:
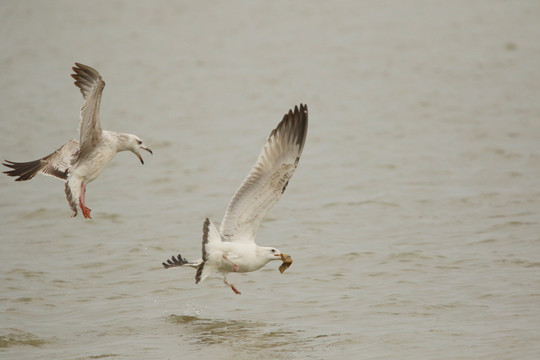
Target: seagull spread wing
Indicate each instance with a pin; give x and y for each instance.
(89, 81)
(57, 164)
(268, 178)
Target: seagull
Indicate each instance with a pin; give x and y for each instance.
(80, 162)
(233, 248)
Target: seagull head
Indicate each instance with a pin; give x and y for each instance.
(135, 144)
(271, 253)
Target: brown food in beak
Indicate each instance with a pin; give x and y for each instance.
(287, 261)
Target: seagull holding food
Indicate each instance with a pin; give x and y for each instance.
(80, 162)
(233, 248)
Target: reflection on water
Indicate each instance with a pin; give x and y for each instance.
(240, 335)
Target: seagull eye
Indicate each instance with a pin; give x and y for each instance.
(139, 142)
(273, 250)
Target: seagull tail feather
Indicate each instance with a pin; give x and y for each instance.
(180, 261)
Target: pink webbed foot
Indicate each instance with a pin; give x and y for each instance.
(231, 285)
(85, 210)
(235, 289)
(82, 200)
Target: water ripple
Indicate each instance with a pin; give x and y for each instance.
(17, 337)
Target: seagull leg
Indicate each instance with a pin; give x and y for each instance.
(231, 285)
(82, 200)
(235, 267)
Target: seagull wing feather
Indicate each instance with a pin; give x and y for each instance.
(268, 178)
(91, 85)
(58, 164)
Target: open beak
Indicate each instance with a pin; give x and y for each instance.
(148, 149)
(139, 155)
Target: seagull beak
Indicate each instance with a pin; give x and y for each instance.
(139, 155)
(148, 149)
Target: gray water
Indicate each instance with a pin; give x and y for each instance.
(412, 219)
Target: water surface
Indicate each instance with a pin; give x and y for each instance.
(412, 218)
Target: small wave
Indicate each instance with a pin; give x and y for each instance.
(407, 257)
(506, 225)
(28, 274)
(17, 337)
(359, 203)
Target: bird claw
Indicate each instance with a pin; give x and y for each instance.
(85, 210)
(235, 290)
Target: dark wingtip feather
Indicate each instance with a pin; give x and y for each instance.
(199, 273)
(85, 76)
(206, 229)
(69, 196)
(24, 170)
(297, 121)
(303, 115)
